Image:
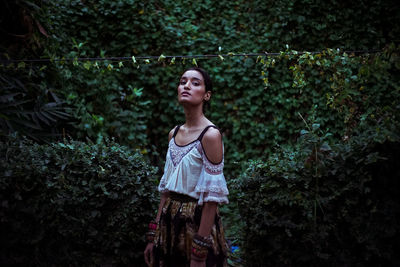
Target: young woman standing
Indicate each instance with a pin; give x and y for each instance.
(188, 229)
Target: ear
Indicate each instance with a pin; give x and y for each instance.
(207, 96)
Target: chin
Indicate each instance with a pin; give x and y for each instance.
(184, 100)
(187, 102)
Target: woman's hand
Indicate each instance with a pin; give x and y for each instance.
(194, 263)
(148, 254)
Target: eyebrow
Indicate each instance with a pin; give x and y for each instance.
(194, 78)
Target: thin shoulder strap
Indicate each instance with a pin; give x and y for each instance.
(176, 130)
(205, 130)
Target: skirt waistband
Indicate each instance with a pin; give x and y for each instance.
(181, 197)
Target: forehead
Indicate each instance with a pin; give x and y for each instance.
(192, 74)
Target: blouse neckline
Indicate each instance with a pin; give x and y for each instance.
(198, 138)
(186, 144)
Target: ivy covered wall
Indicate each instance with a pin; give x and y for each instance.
(138, 106)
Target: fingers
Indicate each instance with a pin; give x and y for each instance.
(146, 257)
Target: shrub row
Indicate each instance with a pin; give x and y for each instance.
(73, 204)
(318, 204)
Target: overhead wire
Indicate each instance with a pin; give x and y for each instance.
(120, 59)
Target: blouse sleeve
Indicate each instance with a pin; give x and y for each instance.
(163, 182)
(211, 185)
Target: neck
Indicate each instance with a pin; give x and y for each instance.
(194, 116)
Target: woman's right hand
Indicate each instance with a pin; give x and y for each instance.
(148, 254)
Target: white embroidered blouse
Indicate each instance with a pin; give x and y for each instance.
(188, 171)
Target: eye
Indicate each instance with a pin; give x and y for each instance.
(196, 83)
(182, 82)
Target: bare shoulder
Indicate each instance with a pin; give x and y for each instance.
(171, 133)
(212, 145)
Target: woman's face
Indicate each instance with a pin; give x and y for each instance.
(192, 89)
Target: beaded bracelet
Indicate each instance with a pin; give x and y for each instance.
(200, 246)
(152, 225)
(152, 232)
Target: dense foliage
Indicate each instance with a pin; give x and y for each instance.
(73, 203)
(30, 106)
(260, 104)
(137, 103)
(319, 204)
(326, 200)
(29, 100)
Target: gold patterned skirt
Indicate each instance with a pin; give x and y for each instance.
(179, 221)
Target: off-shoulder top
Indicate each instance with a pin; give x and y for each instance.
(188, 171)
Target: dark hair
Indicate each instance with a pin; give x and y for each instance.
(207, 83)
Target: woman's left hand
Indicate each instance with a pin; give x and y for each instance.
(194, 263)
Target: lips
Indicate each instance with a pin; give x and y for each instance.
(185, 94)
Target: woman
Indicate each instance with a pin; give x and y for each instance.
(188, 229)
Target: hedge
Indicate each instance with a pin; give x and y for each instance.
(323, 204)
(74, 203)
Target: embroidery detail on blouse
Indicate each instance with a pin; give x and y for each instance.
(219, 188)
(212, 168)
(162, 184)
(210, 185)
(178, 152)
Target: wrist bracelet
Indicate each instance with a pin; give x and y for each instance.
(203, 241)
(152, 225)
(200, 247)
(151, 232)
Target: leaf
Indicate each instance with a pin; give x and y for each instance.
(325, 147)
(87, 65)
(315, 126)
(161, 58)
(303, 132)
(21, 65)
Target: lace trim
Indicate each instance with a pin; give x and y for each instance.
(178, 152)
(163, 183)
(223, 199)
(212, 197)
(219, 188)
(214, 184)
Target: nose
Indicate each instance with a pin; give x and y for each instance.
(186, 86)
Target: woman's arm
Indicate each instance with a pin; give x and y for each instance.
(207, 218)
(148, 253)
(164, 195)
(212, 146)
(163, 198)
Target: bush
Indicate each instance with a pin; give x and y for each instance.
(74, 203)
(318, 204)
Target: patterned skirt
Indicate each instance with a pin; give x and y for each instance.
(179, 221)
